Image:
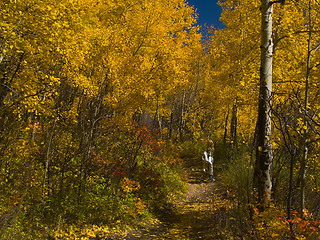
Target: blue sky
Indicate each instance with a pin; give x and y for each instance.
(209, 12)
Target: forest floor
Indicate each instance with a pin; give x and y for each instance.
(201, 213)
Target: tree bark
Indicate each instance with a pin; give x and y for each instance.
(289, 204)
(181, 121)
(233, 129)
(264, 147)
(48, 158)
(304, 161)
(226, 127)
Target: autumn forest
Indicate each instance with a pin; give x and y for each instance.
(103, 103)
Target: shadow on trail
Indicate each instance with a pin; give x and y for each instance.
(197, 215)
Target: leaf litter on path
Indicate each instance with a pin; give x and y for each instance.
(199, 214)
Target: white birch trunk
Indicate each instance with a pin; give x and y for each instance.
(264, 147)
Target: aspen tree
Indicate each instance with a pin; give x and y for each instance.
(264, 148)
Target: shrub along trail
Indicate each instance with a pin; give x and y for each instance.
(201, 213)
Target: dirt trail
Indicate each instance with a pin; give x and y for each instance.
(197, 215)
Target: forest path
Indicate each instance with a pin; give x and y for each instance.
(198, 214)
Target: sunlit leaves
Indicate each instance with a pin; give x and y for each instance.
(73, 74)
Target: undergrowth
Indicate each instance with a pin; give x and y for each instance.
(133, 174)
(235, 183)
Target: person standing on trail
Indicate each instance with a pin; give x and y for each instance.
(207, 158)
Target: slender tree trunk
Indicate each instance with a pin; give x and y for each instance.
(226, 127)
(159, 119)
(48, 158)
(303, 167)
(233, 132)
(289, 204)
(233, 129)
(155, 116)
(171, 121)
(264, 148)
(181, 121)
(89, 131)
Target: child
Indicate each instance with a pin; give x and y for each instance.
(208, 158)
